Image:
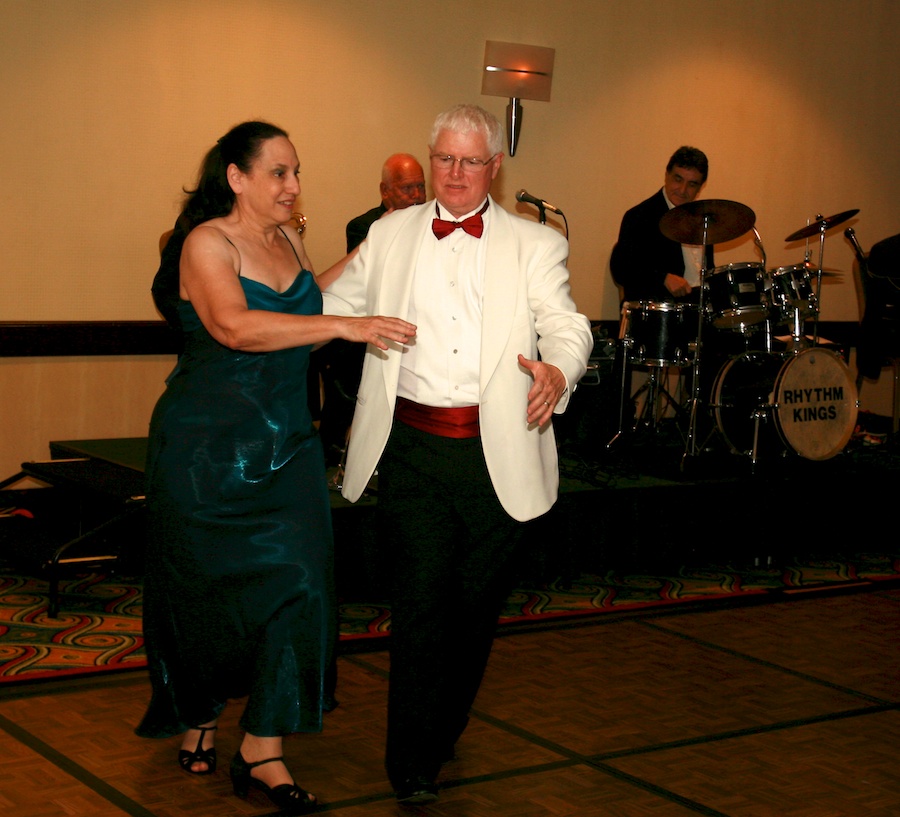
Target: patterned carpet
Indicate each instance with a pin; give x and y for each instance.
(99, 627)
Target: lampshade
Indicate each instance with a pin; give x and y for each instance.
(518, 72)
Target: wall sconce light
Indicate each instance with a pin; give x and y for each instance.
(518, 72)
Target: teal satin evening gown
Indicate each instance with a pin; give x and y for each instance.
(239, 590)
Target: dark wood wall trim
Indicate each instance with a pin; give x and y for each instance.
(64, 338)
(69, 338)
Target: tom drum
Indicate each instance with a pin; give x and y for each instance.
(658, 333)
(792, 288)
(737, 295)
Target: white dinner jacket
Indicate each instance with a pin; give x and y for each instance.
(527, 309)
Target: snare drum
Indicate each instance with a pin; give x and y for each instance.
(809, 399)
(659, 333)
(737, 295)
(792, 289)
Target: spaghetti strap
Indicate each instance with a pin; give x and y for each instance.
(293, 248)
(237, 251)
(290, 243)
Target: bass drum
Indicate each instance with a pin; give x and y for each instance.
(809, 400)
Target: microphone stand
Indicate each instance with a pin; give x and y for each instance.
(691, 446)
(543, 213)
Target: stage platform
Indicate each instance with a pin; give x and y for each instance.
(637, 504)
(127, 456)
(97, 494)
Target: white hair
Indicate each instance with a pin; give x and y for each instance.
(467, 118)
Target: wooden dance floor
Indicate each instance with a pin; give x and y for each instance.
(788, 709)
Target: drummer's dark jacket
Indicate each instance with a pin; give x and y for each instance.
(643, 256)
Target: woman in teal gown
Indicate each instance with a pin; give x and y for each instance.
(239, 586)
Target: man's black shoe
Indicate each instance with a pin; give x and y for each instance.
(416, 791)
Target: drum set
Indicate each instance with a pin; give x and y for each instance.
(798, 398)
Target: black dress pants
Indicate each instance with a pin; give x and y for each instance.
(452, 550)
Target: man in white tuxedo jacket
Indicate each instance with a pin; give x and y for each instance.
(457, 423)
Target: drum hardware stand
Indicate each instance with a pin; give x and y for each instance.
(768, 337)
(818, 294)
(819, 278)
(767, 330)
(798, 338)
(655, 394)
(818, 227)
(623, 351)
(759, 243)
(759, 416)
(691, 448)
(768, 321)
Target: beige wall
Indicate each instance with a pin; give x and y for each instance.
(108, 106)
(74, 398)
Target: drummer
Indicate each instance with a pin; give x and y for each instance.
(644, 263)
(648, 266)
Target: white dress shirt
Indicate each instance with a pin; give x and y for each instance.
(692, 254)
(441, 367)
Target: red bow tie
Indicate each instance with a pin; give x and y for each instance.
(473, 225)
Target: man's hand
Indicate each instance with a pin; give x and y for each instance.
(547, 390)
(677, 285)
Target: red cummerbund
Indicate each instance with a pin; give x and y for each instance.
(461, 422)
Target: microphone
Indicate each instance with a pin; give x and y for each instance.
(527, 198)
(861, 259)
(850, 234)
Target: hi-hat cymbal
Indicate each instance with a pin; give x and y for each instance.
(828, 272)
(716, 220)
(822, 224)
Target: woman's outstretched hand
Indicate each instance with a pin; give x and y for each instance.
(377, 330)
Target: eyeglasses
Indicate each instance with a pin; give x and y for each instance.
(469, 165)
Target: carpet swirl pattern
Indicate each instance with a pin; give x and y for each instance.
(99, 625)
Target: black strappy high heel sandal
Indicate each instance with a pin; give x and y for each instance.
(290, 798)
(187, 759)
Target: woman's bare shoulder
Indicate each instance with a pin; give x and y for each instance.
(208, 246)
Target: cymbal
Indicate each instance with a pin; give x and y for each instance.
(827, 272)
(723, 220)
(822, 224)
